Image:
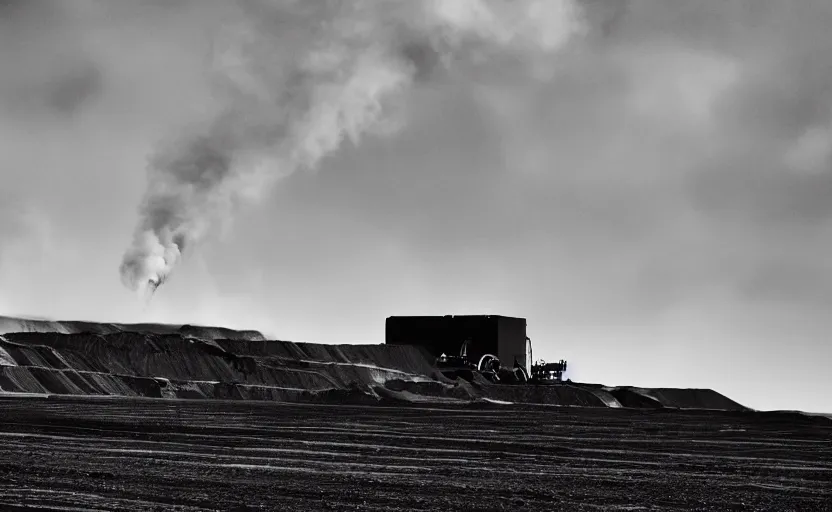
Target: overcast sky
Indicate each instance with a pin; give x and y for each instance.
(645, 181)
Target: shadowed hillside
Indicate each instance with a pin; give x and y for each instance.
(169, 361)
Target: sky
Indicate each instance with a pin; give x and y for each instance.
(645, 181)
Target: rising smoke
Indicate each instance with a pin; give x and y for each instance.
(294, 79)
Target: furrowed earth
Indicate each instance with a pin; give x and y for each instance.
(115, 417)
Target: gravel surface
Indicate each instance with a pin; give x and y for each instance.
(75, 453)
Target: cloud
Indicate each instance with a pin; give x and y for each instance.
(25, 239)
(45, 66)
(10, 218)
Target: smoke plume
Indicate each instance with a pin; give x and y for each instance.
(294, 79)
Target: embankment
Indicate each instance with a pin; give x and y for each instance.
(166, 361)
(19, 325)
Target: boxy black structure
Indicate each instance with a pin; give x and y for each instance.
(502, 336)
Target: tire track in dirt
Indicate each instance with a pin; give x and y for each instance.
(136, 454)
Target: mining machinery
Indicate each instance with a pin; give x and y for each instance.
(544, 373)
(465, 346)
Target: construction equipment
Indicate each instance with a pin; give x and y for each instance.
(488, 366)
(548, 373)
(465, 346)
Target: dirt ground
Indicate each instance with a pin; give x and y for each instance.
(144, 454)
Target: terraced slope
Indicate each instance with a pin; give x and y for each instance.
(168, 361)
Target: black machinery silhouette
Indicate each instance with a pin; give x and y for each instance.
(465, 345)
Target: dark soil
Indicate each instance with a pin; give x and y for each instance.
(77, 453)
